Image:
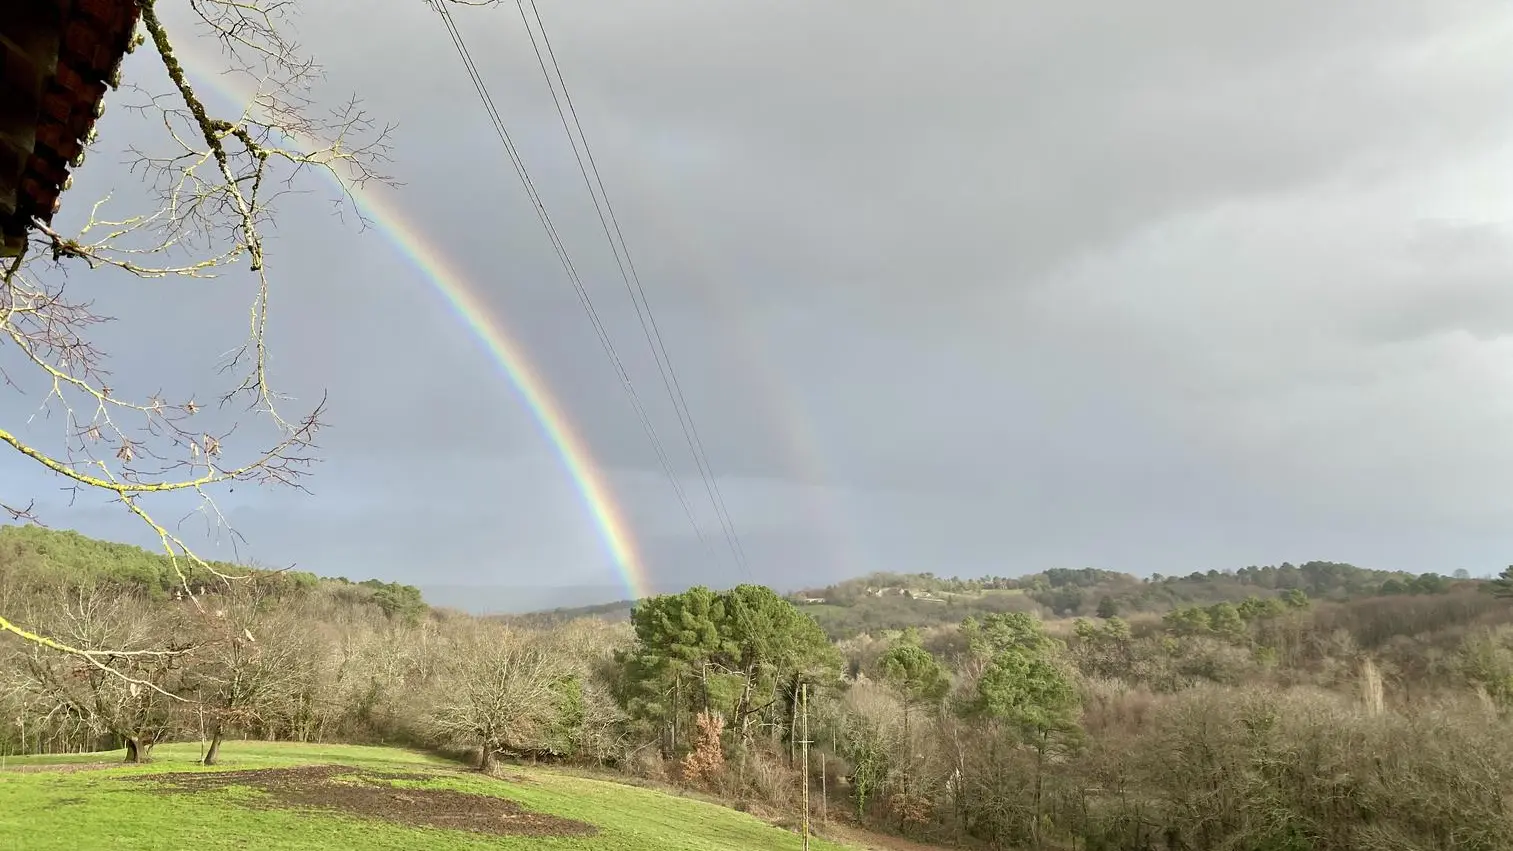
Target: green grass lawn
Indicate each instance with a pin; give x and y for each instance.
(91, 809)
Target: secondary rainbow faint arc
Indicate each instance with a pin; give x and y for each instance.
(786, 415)
(452, 284)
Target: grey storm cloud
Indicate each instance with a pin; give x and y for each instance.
(970, 287)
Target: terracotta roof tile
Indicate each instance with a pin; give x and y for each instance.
(81, 43)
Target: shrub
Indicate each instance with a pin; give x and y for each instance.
(705, 763)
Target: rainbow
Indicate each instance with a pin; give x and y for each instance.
(427, 258)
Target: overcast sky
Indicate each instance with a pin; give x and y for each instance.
(975, 287)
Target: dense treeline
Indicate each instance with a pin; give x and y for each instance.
(616, 612)
(75, 559)
(1272, 720)
(892, 601)
(884, 602)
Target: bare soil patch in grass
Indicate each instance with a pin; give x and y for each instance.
(61, 767)
(371, 794)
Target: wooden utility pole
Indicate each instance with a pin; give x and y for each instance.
(804, 708)
(793, 724)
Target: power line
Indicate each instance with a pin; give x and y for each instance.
(567, 264)
(632, 280)
(631, 277)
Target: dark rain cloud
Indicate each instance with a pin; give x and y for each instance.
(984, 287)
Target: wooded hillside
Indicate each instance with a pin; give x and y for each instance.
(1381, 718)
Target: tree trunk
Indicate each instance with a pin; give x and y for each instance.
(960, 791)
(908, 751)
(213, 753)
(745, 709)
(677, 707)
(138, 749)
(744, 736)
(485, 758)
(1040, 748)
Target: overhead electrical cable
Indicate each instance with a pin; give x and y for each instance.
(560, 247)
(628, 273)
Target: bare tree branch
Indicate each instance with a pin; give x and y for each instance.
(213, 182)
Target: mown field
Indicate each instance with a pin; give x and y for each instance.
(283, 796)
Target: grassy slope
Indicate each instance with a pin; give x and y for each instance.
(43, 811)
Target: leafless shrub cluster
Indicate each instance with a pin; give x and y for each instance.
(310, 664)
(125, 680)
(502, 694)
(1228, 768)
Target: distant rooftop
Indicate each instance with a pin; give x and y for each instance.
(57, 58)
